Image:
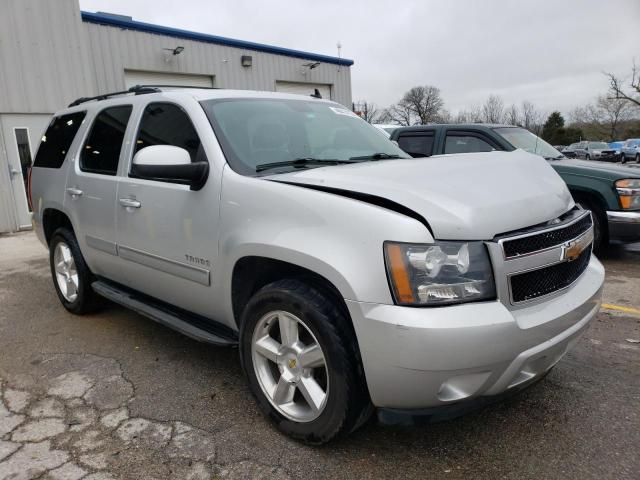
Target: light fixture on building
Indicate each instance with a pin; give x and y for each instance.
(175, 51)
(307, 67)
(246, 60)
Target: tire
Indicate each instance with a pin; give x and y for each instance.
(320, 323)
(637, 157)
(66, 262)
(600, 233)
(622, 158)
(588, 157)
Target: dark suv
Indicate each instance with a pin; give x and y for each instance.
(611, 192)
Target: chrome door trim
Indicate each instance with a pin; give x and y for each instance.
(166, 265)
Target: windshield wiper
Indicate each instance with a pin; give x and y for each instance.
(376, 156)
(301, 162)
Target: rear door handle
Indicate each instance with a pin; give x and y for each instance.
(74, 192)
(130, 203)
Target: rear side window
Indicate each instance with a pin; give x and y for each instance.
(460, 143)
(168, 124)
(101, 150)
(57, 139)
(419, 145)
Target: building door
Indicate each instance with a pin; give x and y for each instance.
(301, 88)
(19, 139)
(143, 77)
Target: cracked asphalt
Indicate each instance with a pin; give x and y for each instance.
(116, 396)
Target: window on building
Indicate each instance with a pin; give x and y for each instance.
(101, 150)
(57, 140)
(24, 150)
(168, 124)
(461, 143)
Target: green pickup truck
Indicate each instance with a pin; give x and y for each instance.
(610, 191)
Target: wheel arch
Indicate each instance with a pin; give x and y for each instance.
(52, 219)
(252, 272)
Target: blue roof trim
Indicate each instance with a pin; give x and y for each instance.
(203, 37)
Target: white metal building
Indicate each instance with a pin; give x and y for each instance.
(52, 53)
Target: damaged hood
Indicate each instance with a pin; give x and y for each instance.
(472, 196)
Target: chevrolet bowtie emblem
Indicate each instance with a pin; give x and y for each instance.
(572, 250)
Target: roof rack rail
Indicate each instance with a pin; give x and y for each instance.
(175, 86)
(136, 89)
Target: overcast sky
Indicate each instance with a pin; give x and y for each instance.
(550, 52)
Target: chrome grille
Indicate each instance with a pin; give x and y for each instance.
(542, 260)
(537, 283)
(549, 238)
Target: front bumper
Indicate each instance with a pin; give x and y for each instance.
(624, 226)
(417, 358)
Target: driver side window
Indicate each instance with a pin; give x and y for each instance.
(168, 124)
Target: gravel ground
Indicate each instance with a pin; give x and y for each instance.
(116, 396)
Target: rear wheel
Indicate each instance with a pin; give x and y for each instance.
(71, 276)
(622, 158)
(637, 157)
(300, 356)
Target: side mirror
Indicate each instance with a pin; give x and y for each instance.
(166, 163)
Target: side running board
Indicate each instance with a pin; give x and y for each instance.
(189, 324)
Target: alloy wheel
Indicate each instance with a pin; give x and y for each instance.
(290, 366)
(66, 272)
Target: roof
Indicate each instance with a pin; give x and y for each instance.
(459, 125)
(122, 21)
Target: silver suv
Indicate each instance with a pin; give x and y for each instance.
(350, 275)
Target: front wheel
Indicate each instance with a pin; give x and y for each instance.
(588, 157)
(600, 237)
(300, 356)
(622, 158)
(637, 157)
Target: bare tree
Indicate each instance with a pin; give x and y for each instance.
(366, 110)
(613, 111)
(385, 116)
(401, 114)
(444, 116)
(618, 91)
(493, 110)
(531, 118)
(423, 102)
(512, 115)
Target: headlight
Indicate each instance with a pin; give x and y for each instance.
(440, 273)
(629, 193)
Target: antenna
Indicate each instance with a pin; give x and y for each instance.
(339, 45)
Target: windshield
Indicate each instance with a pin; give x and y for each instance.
(256, 132)
(598, 145)
(527, 141)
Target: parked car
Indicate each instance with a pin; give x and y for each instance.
(611, 192)
(630, 151)
(388, 129)
(595, 151)
(570, 151)
(350, 275)
(617, 149)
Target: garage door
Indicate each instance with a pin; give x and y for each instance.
(304, 88)
(139, 77)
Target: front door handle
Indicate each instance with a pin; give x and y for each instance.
(130, 203)
(74, 192)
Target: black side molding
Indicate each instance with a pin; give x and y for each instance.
(367, 198)
(189, 324)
